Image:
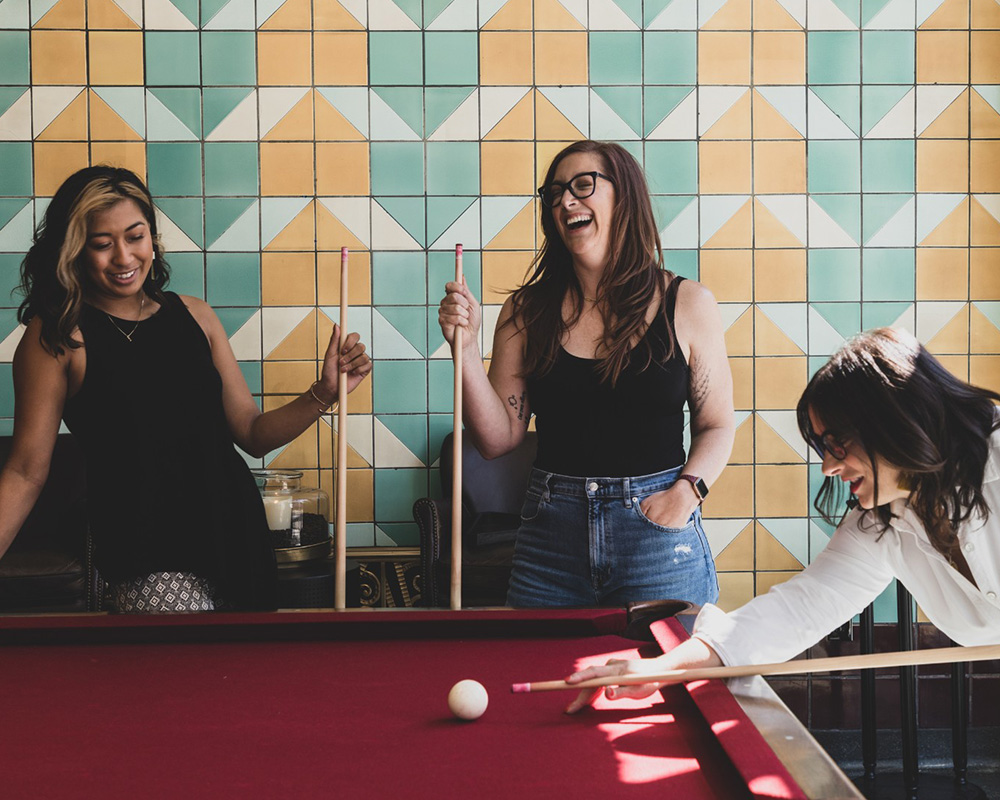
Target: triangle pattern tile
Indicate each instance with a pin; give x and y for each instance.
(872, 8)
(165, 15)
(519, 233)
(106, 124)
(606, 121)
(287, 223)
(773, 15)
(59, 14)
(682, 122)
(933, 209)
(512, 15)
(739, 330)
(397, 113)
(390, 450)
(441, 102)
(349, 15)
(384, 15)
(235, 15)
(985, 221)
(9, 344)
(332, 124)
(127, 103)
(943, 327)
(898, 121)
(246, 340)
(357, 9)
(551, 15)
(294, 15)
(239, 125)
(14, 14)
(779, 112)
(400, 331)
(517, 124)
(677, 15)
(15, 119)
(735, 533)
(16, 225)
(177, 239)
(388, 234)
(462, 124)
(729, 15)
(571, 102)
(49, 103)
(898, 221)
(742, 441)
(108, 14)
(288, 333)
(824, 338)
(953, 230)
(345, 223)
(350, 101)
(825, 230)
(943, 111)
(275, 103)
(942, 14)
(784, 426)
(169, 124)
(782, 543)
(551, 123)
(243, 235)
(497, 212)
(409, 212)
(681, 232)
(828, 15)
(724, 112)
(818, 540)
(451, 15)
(984, 326)
(221, 213)
(360, 443)
(726, 221)
(780, 220)
(878, 315)
(781, 329)
(496, 102)
(359, 319)
(465, 229)
(834, 112)
(488, 8)
(660, 102)
(609, 15)
(985, 111)
(442, 213)
(896, 14)
(297, 124)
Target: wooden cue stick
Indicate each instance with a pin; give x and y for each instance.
(340, 544)
(905, 658)
(456, 460)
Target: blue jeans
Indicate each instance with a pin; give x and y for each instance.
(586, 542)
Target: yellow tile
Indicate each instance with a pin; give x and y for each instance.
(550, 123)
(298, 344)
(738, 554)
(70, 124)
(985, 121)
(288, 279)
(502, 273)
(519, 233)
(505, 58)
(106, 15)
(735, 123)
(514, 15)
(942, 165)
(507, 168)
(330, 124)
(780, 275)
(985, 14)
(985, 64)
(328, 445)
(985, 227)
(779, 167)
(332, 16)
(743, 443)
(956, 365)
(739, 335)
(953, 122)
(342, 168)
(286, 168)
(105, 124)
(58, 57)
(284, 58)
(116, 58)
(299, 233)
(772, 554)
(518, 123)
(765, 580)
(984, 277)
(551, 15)
(287, 377)
(65, 14)
(724, 167)
(732, 15)
(359, 279)
(984, 371)
(131, 155)
(768, 15)
(561, 58)
(735, 590)
(779, 57)
(953, 338)
(360, 495)
(732, 494)
(545, 153)
(770, 340)
(729, 274)
(780, 381)
(737, 232)
(54, 162)
(297, 124)
(301, 453)
(769, 231)
(742, 369)
(340, 59)
(771, 447)
(296, 15)
(942, 273)
(332, 234)
(768, 123)
(942, 56)
(983, 334)
(952, 231)
(724, 58)
(984, 165)
(951, 15)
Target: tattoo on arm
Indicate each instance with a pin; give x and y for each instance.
(518, 403)
(699, 381)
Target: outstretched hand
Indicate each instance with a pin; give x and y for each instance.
(615, 666)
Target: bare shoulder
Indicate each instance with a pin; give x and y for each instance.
(694, 298)
(31, 349)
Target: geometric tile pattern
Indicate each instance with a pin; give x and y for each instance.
(823, 166)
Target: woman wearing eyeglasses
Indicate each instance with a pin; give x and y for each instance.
(604, 347)
(917, 452)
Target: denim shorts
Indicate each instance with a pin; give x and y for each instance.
(586, 542)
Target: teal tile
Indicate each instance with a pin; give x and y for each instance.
(451, 58)
(399, 534)
(633, 9)
(834, 57)
(442, 213)
(231, 168)
(396, 490)
(626, 104)
(672, 167)
(453, 168)
(441, 102)
(844, 209)
(667, 208)
(7, 395)
(888, 56)
(252, 375)
(172, 58)
(616, 57)
(187, 213)
(844, 318)
(232, 279)
(410, 213)
(878, 209)
(670, 57)
(395, 58)
(10, 279)
(189, 8)
(851, 10)
(400, 387)
(221, 214)
(15, 63)
(407, 102)
(887, 165)
(233, 319)
(658, 102)
(174, 168)
(238, 14)
(410, 322)
(876, 102)
(173, 114)
(439, 426)
(682, 262)
(219, 103)
(879, 315)
(7, 425)
(834, 275)
(399, 278)
(441, 387)
(833, 166)
(15, 176)
(397, 168)
(229, 58)
(441, 269)
(411, 430)
(889, 274)
(187, 273)
(10, 95)
(844, 101)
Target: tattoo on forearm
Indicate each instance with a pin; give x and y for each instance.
(698, 383)
(518, 403)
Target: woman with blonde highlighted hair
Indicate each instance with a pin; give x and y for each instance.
(147, 382)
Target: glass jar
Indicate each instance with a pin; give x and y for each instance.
(297, 515)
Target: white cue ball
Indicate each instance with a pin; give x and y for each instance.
(468, 699)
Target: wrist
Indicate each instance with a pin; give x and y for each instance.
(696, 486)
(320, 393)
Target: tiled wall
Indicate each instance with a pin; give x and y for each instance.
(822, 165)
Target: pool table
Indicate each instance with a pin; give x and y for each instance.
(353, 703)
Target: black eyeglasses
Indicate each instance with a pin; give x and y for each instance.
(580, 186)
(827, 443)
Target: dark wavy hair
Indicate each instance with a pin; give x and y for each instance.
(630, 282)
(885, 392)
(52, 273)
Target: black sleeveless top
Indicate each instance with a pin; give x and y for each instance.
(589, 429)
(167, 490)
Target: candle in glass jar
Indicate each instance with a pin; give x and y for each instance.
(279, 512)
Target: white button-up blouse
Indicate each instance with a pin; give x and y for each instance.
(854, 568)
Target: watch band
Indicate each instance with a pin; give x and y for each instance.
(699, 486)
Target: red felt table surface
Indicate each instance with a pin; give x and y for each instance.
(326, 718)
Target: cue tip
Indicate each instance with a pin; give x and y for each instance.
(520, 688)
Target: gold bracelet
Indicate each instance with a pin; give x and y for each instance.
(324, 407)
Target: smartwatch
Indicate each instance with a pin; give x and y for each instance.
(699, 486)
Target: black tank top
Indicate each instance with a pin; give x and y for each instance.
(587, 428)
(166, 488)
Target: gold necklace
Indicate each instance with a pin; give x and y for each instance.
(142, 302)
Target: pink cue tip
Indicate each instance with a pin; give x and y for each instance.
(520, 688)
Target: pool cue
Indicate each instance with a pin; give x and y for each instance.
(340, 543)
(456, 458)
(939, 655)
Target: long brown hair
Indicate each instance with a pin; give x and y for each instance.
(885, 392)
(631, 280)
(52, 271)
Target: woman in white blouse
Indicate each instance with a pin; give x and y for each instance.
(918, 453)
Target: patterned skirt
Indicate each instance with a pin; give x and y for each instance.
(163, 592)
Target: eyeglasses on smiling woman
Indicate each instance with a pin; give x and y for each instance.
(580, 186)
(827, 442)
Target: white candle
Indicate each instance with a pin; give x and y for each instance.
(279, 512)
